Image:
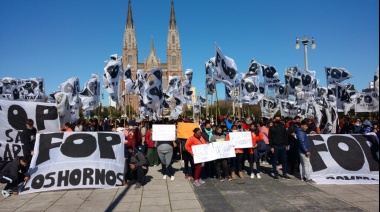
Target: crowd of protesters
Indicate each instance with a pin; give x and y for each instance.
(281, 143)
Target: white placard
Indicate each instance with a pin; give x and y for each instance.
(241, 139)
(203, 153)
(163, 132)
(224, 149)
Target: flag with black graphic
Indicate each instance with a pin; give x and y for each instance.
(210, 84)
(254, 69)
(280, 92)
(90, 94)
(173, 86)
(367, 102)
(201, 101)
(186, 87)
(271, 77)
(128, 81)
(113, 69)
(31, 89)
(229, 94)
(269, 107)
(250, 90)
(345, 97)
(334, 74)
(225, 69)
(140, 83)
(178, 108)
(153, 92)
(71, 88)
(293, 84)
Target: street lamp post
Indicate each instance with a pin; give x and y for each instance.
(305, 41)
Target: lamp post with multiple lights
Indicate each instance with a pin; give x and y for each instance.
(305, 41)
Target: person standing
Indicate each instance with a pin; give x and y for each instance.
(152, 153)
(278, 142)
(197, 139)
(236, 163)
(304, 151)
(220, 164)
(28, 139)
(254, 156)
(165, 153)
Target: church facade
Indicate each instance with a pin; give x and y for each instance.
(173, 66)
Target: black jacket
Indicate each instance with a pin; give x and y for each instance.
(28, 139)
(278, 136)
(12, 168)
(138, 159)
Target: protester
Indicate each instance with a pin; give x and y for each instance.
(292, 153)
(221, 164)
(358, 128)
(236, 163)
(132, 136)
(254, 155)
(208, 170)
(152, 153)
(278, 141)
(304, 151)
(165, 153)
(197, 139)
(68, 127)
(264, 130)
(139, 166)
(13, 173)
(28, 139)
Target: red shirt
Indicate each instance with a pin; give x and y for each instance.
(192, 141)
(148, 139)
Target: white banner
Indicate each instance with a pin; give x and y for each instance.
(13, 116)
(213, 151)
(76, 160)
(163, 132)
(31, 89)
(241, 139)
(344, 159)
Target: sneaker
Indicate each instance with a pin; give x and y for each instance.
(221, 179)
(228, 178)
(6, 193)
(286, 177)
(310, 181)
(252, 176)
(265, 163)
(276, 177)
(196, 183)
(187, 177)
(201, 181)
(172, 178)
(138, 186)
(258, 176)
(165, 176)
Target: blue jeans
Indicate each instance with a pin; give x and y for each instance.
(279, 153)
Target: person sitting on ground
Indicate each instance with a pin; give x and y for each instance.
(139, 166)
(13, 173)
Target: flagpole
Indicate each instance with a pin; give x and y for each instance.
(217, 106)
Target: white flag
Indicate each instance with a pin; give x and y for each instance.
(334, 74)
(225, 69)
(90, 94)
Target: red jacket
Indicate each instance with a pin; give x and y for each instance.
(148, 139)
(192, 141)
(254, 141)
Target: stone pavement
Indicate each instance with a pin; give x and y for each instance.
(264, 194)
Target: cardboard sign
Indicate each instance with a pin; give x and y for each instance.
(185, 130)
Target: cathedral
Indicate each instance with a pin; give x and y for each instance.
(173, 66)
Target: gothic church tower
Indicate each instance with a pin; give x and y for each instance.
(173, 67)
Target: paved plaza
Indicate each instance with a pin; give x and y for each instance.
(264, 194)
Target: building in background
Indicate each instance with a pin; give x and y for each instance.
(173, 66)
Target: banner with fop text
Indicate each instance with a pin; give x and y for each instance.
(76, 160)
(344, 159)
(13, 116)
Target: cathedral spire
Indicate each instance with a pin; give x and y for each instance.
(152, 44)
(172, 22)
(129, 17)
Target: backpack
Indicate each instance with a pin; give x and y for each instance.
(261, 146)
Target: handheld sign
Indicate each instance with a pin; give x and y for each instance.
(163, 132)
(203, 153)
(185, 130)
(224, 149)
(241, 140)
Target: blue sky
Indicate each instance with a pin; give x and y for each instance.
(58, 40)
